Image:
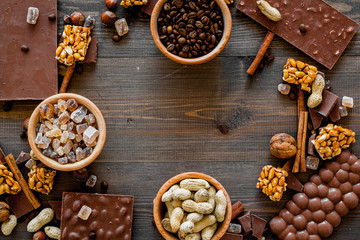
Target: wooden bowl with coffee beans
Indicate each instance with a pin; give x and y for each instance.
(191, 31)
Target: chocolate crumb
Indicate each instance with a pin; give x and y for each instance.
(24, 48)
(52, 17)
(104, 185)
(116, 38)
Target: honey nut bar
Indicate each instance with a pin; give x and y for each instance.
(332, 139)
(41, 179)
(272, 181)
(7, 182)
(297, 72)
(74, 45)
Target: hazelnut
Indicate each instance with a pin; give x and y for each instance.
(4, 211)
(40, 235)
(116, 38)
(78, 18)
(67, 19)
(108, 18)
(26, 124)
(111, 4)
(283, 146)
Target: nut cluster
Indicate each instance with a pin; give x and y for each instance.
(74, 44)
(130, 3)
(41, 179)
(7, 182)
(332, 139)
(297, 72)
(272, 181)
(194, 209)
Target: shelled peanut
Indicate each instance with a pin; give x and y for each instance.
(332, 139)
(272, 181)
(297, 72)
(7, 182)
(194, 209)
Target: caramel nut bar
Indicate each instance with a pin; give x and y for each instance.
(41, 179)
(74, 44)
(272, 182)
(297, 72)
(332, 139)
(7, 182)
(328, 196)
(131, 3)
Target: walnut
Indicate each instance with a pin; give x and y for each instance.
(4, 211)
(283, 146)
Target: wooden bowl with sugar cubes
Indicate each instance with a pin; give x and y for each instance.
(67, 132)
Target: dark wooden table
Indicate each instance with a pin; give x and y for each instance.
(162, 117)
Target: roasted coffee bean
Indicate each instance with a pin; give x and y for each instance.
(182, 41)
(167, 7)
(185, 16)
(173, 14)
(192, 5)
(213, 5)
(189, 27)
(169, 29)
(175, 32)
(205, 20)
(192, 14)
(182, 54)
(213, 39)
(201, 13)
(192, 34)
(183, 32)
(185, 48)
(191, 21)
(212, 15)
(171, 47)
(199, 24)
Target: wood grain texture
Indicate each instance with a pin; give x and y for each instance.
(162, 117)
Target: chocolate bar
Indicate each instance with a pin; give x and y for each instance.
(327, 104)
(33, 74)
(110, 218)
(328, 31)
(327, 197)
(258, 226)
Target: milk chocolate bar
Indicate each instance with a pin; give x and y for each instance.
(33, 74)
(110, 218)
(327, 197)
(328, 31)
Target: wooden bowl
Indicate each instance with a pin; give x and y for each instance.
(34, 119)
(199, 60)
(158, 205)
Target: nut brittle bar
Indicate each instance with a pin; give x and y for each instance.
(74, 45)
(297, 72)
(272, 181)
(7, 182)
(332, 139)
(41, 179)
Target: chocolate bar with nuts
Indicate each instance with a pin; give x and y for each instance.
(110, 218)
(312, 26)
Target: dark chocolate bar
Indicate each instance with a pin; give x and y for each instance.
(328, 31)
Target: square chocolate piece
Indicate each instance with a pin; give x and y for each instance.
(23, 157)
(258, 226)
(56, 206)
(335, 113)
(316, 118)
(111, 216)
(327, 104)
(31, 74)
(245, 221)
(19, 204)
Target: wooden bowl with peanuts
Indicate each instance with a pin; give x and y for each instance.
(181, 197)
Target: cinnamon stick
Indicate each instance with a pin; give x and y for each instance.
(300, 100)
(68, 74)
(237, 208)
(303, 143)
(295, 168)
(10, 160)
(264, 46)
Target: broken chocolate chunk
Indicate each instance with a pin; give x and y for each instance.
(311, 148)
(23, 157)
(232, 236)
(19, 204)
(316, 118)
(245, 221)
(56, 206)
(335, 112)
(327, 104)
(258, 226)
(294, 183)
